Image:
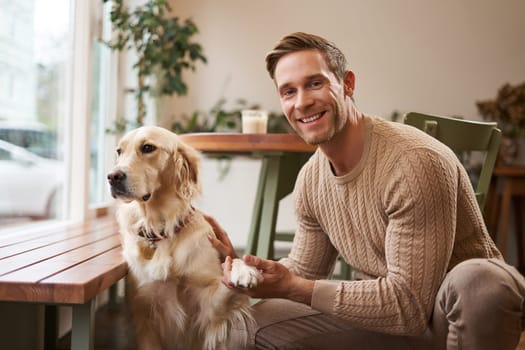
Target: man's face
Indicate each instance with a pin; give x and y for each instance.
(312, 98)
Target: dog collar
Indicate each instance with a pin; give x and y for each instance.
(153, 237)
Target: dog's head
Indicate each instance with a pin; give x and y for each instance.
(153, 162)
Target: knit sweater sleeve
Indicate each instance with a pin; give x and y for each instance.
(419, 196)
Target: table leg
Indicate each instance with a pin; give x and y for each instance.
(82, 332)
(495, 221)
(269, 209)
(279, 182)
(504, 216)
(253, 234)
(490, 213)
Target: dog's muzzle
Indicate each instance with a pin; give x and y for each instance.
(119, 186)
(117, 181)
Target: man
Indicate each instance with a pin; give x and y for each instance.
(398, 206)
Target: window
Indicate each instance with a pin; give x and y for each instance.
(54, 99)
(35, 56)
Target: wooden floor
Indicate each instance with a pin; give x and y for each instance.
(113, 331)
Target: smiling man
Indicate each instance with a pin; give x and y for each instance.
(398, 206)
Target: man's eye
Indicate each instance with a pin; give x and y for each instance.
(287, 93)
(315, 84)
(147, 148)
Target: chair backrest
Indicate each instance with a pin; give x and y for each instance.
(464, 136)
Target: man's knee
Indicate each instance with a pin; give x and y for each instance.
(481, 296)
(486, 283)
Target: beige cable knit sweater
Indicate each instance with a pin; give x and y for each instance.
(405, 215)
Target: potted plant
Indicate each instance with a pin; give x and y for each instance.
(508, 110)
(163, 46)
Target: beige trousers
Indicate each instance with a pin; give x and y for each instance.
(480, 305)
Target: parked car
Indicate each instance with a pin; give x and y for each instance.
(30, 185)
(31, 135)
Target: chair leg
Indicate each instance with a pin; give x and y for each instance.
(346, 270)
(518, 211)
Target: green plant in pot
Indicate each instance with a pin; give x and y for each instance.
(163, 46)
(508, 110)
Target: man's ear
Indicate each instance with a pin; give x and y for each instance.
(349, 83)
(187, 168)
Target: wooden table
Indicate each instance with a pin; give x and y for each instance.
(62, 264)
(511, 179)
(282, 156)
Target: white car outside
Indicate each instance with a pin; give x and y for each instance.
(29, 185)
(33, 136)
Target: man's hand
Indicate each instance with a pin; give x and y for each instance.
(220, 241)
(277, 281)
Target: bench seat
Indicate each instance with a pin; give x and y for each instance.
(62, 264)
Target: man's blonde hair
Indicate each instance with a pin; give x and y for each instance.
(303, 41)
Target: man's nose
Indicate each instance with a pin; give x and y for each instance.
(304, 100)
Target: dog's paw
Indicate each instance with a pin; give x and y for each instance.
(244, 276)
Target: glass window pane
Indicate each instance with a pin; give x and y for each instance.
(34, 63)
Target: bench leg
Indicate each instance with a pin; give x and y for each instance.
(50, 327)
(113, 295)
(82, 333)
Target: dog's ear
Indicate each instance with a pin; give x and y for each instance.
(187, 170)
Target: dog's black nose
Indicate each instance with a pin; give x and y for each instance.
(116, 177)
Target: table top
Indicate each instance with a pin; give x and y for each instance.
(243, 143)
(66, 263)
(510, 171)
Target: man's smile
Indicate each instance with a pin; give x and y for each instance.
(311, 118)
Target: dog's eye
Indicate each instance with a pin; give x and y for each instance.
(119, 151)
(147, 148)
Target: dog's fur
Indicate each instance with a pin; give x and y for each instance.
(176, 295)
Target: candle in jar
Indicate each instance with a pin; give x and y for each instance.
(254, 121)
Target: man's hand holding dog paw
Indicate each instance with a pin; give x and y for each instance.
(244, 276)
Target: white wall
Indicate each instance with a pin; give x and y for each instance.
(408, 55)
(434, 56)
(230, 198)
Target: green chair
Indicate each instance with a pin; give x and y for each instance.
(464, 136)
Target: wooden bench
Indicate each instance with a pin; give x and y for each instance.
(62, 264)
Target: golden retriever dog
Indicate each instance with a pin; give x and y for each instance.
(176, 295)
